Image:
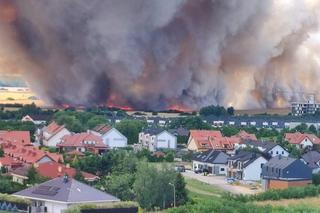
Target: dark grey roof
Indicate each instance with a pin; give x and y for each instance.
(152, 131)
(179, 131)
(70, 191)
(312, 158)
(245, 157)
(280, 162)
(286, 168)
(212, 156)
(267, 145)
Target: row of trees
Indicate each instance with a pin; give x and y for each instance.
(131, 177)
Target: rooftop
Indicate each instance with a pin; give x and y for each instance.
(66, 190)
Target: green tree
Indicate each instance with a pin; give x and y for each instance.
(230, 130)
(302, 128)
(96, 120)
(152, 186)
(1, 152)
(120, 186)
(131, 129)
(34, 177)
(213, 110)
(189, 122)
(230, 111)
(181, 192)
(78, 176)
(313, 129)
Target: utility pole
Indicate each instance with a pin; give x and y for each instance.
(174, 194)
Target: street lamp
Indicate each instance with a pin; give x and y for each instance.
(174, 194)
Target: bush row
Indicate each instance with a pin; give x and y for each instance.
(277, 194)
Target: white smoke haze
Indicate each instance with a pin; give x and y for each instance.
(155, 54)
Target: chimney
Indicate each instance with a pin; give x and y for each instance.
(65, 178)
(60, 169)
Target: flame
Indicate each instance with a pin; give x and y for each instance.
(180, 107)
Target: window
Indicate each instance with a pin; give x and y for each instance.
(271, 152)
(283, 152)
(221, 169)
(277, 152)
(261, 165)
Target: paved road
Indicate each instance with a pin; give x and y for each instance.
(220, 182)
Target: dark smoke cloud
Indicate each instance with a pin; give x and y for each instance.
(159, 53)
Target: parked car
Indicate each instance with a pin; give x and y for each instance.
(230, 180)
(180, 168)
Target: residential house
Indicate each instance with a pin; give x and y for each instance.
(302, 140)
(83, 142)
(111, 136)
(29, 155)
(270, 149)
(246, 166)
(283, 172)
(9, 163)
(154, 139)
(59, 194)
(312, 160)
(200, 140)
(203, 140)
(53, 170)
(17, 137)
(214, 161)
(20, 174)
(182, 132)
(36, 119)
(52, 134)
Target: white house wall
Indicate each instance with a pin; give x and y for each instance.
(166, 140)
(253, 171)
(278, 150)
(55, 207)
(52, 142)
(114, 139)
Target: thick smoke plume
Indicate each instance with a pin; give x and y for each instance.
(156, 54)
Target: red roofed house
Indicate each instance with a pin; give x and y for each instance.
(20, 137)
(246, 136)
(110, 136)
(201, 140)
(302, 140)
(83, 142)
(9, 163)
(52, 134)
(53, 170)
(29, 155)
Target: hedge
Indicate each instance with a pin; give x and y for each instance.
(78, 208)
(277, 194)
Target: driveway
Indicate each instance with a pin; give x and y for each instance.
(219, 181)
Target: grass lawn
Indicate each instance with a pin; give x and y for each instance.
(198, 190)
(310, 201)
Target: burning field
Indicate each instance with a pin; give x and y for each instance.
(163, 54)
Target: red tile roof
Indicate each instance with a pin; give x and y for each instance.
(204, 134)
(102, 128)
(53, 128)
(21, 137)
(9, 162)
(297, 138)
(209, 139)
(28, 154)
(82, 140)
(75, 152)
(53, 170)
(244, 135)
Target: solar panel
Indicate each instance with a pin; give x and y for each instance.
(46, 190)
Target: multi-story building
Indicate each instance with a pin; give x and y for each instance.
(305, 107)
(153, 139)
